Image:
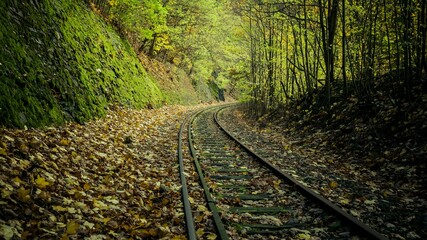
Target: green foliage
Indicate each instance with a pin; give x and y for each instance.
(302, 47)
(200, 37)
(60, 62)
(206, 39)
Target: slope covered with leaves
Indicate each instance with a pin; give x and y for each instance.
(367, 157)
(111, 178)
(175, 83)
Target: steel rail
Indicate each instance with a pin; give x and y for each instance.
(222, 233)
(189, 220)
(363, 229)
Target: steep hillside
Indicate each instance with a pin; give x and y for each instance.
(59, 61)
(175, 83)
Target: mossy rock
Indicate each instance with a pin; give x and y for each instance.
(60, 62)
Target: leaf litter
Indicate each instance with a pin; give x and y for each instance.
(116, 177)
(379, 181)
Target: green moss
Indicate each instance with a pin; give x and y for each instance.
(60, 62)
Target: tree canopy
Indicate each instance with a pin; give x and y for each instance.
(202, 37)
(298, 46)
(281, 50)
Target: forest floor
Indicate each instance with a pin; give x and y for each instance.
(117, 177)
(369, 158)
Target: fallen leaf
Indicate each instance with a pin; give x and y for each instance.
(41, 182)
(355, 213)
(179, 237)
(88, 225)
(24, 194)
(9, 138)
(304, 236)
(200, 232)
(17, 181)
(6, 232)
(333, 184)
(60, 208)
(370, 202)
(72, 227)
(201, 208)
(3, 152)
(64, 142)
(211, 236)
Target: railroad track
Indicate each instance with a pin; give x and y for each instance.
(250, 198)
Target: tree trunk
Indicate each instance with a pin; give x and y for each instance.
(344, 75)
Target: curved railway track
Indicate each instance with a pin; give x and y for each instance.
(249, 197)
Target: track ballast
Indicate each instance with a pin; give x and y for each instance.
(251, 199)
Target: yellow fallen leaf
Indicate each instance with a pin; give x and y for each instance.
(9, 138)
(355, 213)
(88, 225)
(41, 182)
(179, 237)
(103, 220)
(24, 194)
(54, 166)
(202, 208)
(72, 227)
(52, 218)
(86, 186)
(5, 193)
(303, 236)
(199, 218)
(60, 208)
(152, 232)
(6, 232)
(99, 204)
(17, 181)
(277, 184)
(211, 236)
(200, 232)
(71, 210)
(333, 184)
(3, 152)
(64, 142)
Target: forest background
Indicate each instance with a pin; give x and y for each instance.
(341, 77)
